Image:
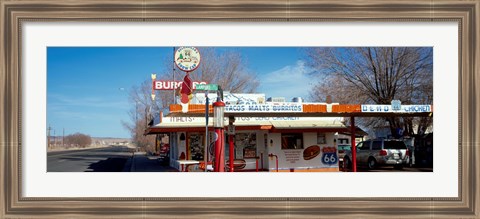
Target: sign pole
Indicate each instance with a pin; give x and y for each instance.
(352, 139)
(173, 74)
(231, 134)
(230, 142)
(205, 155)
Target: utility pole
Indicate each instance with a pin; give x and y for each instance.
(48, 138)
(54, 139)
(63, 138)
(173, 74)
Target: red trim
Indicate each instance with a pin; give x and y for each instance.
(276, 130)
(352, 139)
(153, 130)
(251, 170)
(218, 103)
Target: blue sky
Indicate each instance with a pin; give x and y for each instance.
(87, 87)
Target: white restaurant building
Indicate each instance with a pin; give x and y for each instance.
(269, 142)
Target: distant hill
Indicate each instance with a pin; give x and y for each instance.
(96, 140)
(109, 140)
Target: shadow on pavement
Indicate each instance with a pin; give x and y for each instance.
(108, 165)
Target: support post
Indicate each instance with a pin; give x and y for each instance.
(205, 149)
(231, 154)
(231, 135)
(352, 139)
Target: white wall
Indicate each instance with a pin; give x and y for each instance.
(293, 158)
(176, 148)
(262, 149)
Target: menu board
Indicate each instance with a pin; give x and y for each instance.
(249, 153)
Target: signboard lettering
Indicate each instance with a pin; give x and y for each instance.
(170, 119)
(268, 108)
(396, 108)
(329, 155)
(207, 87)
(173, 85)
(292, 156)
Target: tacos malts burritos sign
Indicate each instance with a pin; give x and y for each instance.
(187, 58)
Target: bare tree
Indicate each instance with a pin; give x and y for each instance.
(78, 140)
(226, 69)
(376, 75)
(142, 112)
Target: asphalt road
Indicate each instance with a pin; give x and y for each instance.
(391, 169)
(107, 159)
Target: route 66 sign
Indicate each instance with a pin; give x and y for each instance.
(187, 58)
(329, 156)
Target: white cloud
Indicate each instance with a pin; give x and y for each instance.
(289, 81)
(62, 100)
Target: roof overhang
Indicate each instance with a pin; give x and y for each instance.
(308, 110)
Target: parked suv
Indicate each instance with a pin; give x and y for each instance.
(379, 152)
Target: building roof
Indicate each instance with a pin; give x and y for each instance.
(291, 116)
(274, 124)
(309, 110)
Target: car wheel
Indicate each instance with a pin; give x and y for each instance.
(372, 164)
(398, 166)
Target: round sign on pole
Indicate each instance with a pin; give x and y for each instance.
(187, 58)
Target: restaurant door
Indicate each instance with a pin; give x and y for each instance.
(196, 146)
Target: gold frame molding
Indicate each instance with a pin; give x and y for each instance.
(14, 12)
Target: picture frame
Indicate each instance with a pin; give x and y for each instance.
(14, 13)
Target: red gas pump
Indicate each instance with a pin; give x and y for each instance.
(218, 113)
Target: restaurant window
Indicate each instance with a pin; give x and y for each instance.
(343, 141)
(321, 139)
(245, 145)
(377, 145)
(292, 141)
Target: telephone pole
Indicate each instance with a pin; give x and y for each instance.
(48, 138)
(63, 138)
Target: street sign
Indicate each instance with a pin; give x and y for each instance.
(207, 87)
